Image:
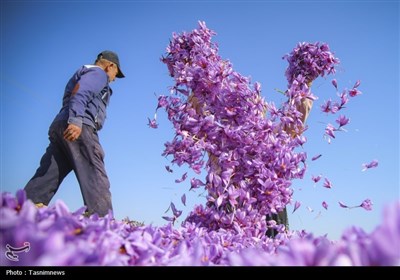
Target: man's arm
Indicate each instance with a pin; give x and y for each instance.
(304, 108)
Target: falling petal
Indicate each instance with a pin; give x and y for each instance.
(342, 120)
(176, 212)
(334, 83)
(183, 199)
(152, 123)
(343, 205)
(169, 219)
(196, 183)
(357, 84)
(366, 204)
(325, 205)
(168, 169)
(354, 92)
(167, 209)
(296, 206)
(326, 107)
(316, 179)
(316, 157)
(184, 176)
(372, 164)
(327, 184)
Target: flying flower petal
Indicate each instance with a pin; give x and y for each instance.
(327, 184)
(366, 204)
(372, 164)
(343, 205)
(334, 83)
(296, 206)
(354, 92)
(168, 169)
(169, 219)
(342, 120)
(152, 123)
(316, 178)
(316, 157)
(176, 212)
(184, 176)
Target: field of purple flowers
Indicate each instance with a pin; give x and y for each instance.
(53, 236)
(249, 149)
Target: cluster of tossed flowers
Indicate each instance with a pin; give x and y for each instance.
(58, 237)
(224, 126)
(249, 148)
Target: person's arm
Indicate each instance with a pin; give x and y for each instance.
(304, 108)
(88, 84)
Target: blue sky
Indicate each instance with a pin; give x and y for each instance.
(43, 43)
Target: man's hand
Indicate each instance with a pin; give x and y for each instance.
(72, 132)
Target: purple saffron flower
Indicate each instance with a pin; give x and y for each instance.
(329, 131)
(342, 120)
(316, 178)
(354, 92)
(196, 183)
(316, 157)
(334, 83)
(183, 178)
(326, 107)
(162, 102)
(152, 123)
(327, 184)
(176, 212)
(385, 247)
(169, 169)
(372, 164)
(296, 206)
(169, 219)
(366, 204)
(343, 205)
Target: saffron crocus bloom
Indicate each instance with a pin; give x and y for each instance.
(316, 178)
(152, 123)
(354, 92)
(326, 107)
(342, 120)
(296, 206)
(169, 169)
(366, 204)
(183, 178)
(341, 204)
(316, 157)
(327, 184)
(372, 164)
(183, 199)
(334, 83)
(176, 212)
(329, 130)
